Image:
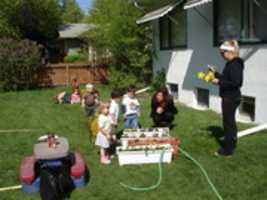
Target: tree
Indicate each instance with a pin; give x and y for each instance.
(71, 12)
(37, 20)
(116, 30)
(20, 64)
(149, 5)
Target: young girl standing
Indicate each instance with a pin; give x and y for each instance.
(104, 134)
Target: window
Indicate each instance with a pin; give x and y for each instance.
(164, 35)
(174, 90)
(247, 108)
(173, 30)
(203, 97)
(244, 20)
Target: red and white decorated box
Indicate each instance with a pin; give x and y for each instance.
(144, 146)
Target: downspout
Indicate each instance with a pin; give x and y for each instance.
(252, 130)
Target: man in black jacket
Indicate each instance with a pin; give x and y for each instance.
(229, 82)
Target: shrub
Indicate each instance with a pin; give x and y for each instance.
(75, 58)
(159, 81)
(120, 80)
(20, 64)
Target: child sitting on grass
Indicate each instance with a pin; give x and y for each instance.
(69, 98)
(104, 134)
(75, 97)
(131, 108)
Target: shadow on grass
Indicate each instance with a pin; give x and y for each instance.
(217, 132)
(87, 175)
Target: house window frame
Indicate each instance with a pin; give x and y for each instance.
(169, 32)
(172, 92)
(197, 103)
(248, 101)
(216, 42)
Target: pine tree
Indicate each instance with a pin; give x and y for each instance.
(71, 12)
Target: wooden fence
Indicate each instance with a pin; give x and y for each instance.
(62, 74)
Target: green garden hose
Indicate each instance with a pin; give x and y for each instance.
(143, 189)
(204, 172)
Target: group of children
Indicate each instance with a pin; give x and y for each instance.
(103, 117)
(108, 120)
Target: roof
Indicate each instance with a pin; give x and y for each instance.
(161, 12)
(195, 3)
(73, 30)
(156, 14)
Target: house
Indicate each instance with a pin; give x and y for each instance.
(70, 37)
(69, 41)
(186, 37)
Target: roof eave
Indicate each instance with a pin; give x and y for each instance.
(145, 19)
(196, 3)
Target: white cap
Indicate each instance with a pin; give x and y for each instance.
(89, 86)
(224, 47)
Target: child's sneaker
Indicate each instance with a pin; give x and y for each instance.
(105, 160)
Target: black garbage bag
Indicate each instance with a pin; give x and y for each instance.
(56, 183)
(49, 188)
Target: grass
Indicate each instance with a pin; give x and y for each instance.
(243, 177)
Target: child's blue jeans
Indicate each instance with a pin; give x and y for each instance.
(131, 121)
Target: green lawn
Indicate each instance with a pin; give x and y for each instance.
(243, 177)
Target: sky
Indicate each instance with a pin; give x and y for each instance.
(85, 4)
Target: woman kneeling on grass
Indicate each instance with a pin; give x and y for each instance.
(229, 82)
(163, 109)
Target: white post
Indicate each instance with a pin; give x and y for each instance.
(142, 90)
(252, 130)
(5, 189)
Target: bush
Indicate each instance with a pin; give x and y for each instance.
(120, 80)
(159, 81)
(20, 64)
(75, 58)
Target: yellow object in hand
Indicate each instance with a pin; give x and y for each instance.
(210, 76)
(201, 75)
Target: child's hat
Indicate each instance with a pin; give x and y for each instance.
(89, 86)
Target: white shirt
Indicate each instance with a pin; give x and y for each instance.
(131, 105)
(104, 123)
(114, 111)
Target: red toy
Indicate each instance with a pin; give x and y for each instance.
(78, 169)
(27, 174)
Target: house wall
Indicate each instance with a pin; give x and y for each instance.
(182, 65)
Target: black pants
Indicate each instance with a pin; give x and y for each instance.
(163, 119)
(229, 107)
